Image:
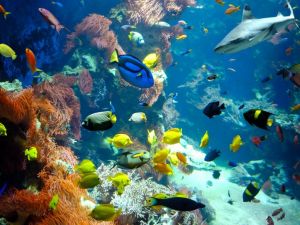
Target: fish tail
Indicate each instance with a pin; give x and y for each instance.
(14, 57)
(5, 14)
(114, 57)
(109, 140)
(59, 27)
(290, 8)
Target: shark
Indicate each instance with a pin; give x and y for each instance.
(252, 31)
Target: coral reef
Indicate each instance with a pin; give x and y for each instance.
(31, 185)
(96, 29)
(153, 11)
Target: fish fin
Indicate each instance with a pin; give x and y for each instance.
(114, 57)
(247, 13)
(279, 14)
(38, 70)
(290, 8)
(130, 36)
(5, 14)
(14, 57)
(222, 106)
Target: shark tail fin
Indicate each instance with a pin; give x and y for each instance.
(290, 8)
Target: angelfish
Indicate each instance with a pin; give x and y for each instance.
(51, 19)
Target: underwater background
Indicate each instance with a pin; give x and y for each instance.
(46, 109)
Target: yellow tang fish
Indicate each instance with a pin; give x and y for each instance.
(181, 37)
(7, 51)
(3, 131)
(151, 60)
(105, 212)
(120, 181)
(204, 140)
(120, 140)
(172, 136)
(173, 159)
(152, 139)
(163, 168)
(161, 155)
(236, 143)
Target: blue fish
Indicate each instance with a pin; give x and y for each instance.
(2, 189)
(232, 164)
(212, 155)
(58, 4)
(133, 70)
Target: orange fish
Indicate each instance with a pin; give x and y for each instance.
(3, 11)
(163, 168)
(31, 61)
(181, 157)
(232, 9)
(220, 2)
(288, 51)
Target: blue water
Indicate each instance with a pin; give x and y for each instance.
(25, 28)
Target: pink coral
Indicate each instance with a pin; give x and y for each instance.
(96, 28)
(152, 11)
(85, 82)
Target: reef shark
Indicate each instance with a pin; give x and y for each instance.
(252, 31)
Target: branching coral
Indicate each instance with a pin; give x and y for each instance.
(85, 82)
(96, 28)
(27, 199)
(133, 198)
(151, 12)
(62, 97)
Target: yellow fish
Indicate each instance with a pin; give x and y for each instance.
(85, 167)
(152, 139)
(173, 159)
(151, 60)
(163, 168)
(172, 136)
(120, 140)
(205, 30)
(31, 153)
(236, 143)
(161, 155)
(105, 212)
(7, 51)
(204, 140)
(120, 181)
(3, 131)
(181, 37)
(295, 108)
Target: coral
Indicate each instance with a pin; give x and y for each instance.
(170, 114)
(151, 95)
(16, 85)
(96, 28)
(151, 12)
(85, 82)
(148, 12)
(62, 97)
(132, 200)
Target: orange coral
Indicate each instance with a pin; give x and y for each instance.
(47, 177)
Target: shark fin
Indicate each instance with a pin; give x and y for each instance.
(247, 13)
(279, 14)
(290, 8)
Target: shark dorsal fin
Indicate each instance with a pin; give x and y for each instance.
(279, 14)
(247, 13)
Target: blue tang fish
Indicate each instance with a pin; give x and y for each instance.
(133, 70)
